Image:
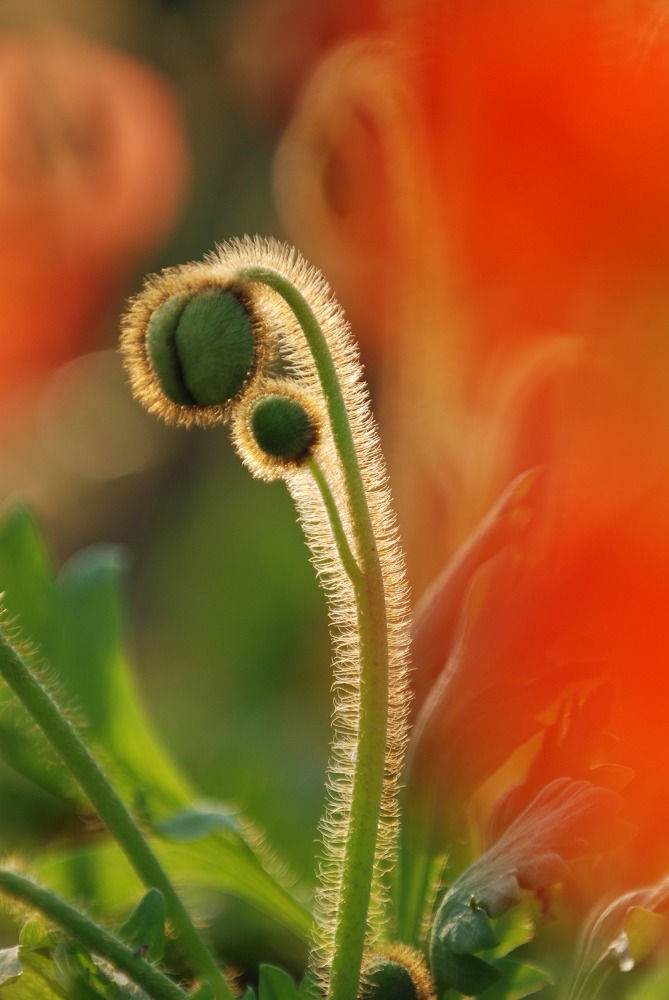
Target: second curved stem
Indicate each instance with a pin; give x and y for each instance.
(364, 812)
(110, 807)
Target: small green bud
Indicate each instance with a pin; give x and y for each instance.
(283, 428)
(388, 980)
(201, 349)
(398, 972)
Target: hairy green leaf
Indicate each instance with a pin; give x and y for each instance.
(75, 626)
(219, 863)
(144, 930)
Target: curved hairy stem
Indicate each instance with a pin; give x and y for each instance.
(80, 762)
(346, 556)
(93, 937)
(372, 623)
(312, 428)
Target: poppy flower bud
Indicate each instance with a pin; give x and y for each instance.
(202, 349)
(397, 973)
(283, 428)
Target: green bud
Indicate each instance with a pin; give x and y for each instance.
(398, 972)
(161, 349)
(389, 980)
(201, 349)
(283, 428)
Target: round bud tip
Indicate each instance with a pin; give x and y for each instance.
(282, 428)
(397, 973)
(201, 349)
(389, 980)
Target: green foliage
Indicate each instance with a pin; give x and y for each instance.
(75, 622)
(144, 930)
(198, 823)
(218, 864)
(518, 980)
(75, 625)
(567, 819)
(46, 966)
(275, 984)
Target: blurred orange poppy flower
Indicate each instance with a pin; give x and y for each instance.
(488, 186)
(93, 170)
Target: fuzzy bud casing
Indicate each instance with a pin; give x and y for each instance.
(201, 349)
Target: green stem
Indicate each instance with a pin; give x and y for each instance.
(368, 777)
(341, 541)
(93, 937)
(82, 765)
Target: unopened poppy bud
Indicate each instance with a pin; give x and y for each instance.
(398, 973)
(283, 428)
(202, 349)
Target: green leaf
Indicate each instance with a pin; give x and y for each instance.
(275, 984)
(468, 929)
(58, 971)
(88, 656)
(219, 863)
(565, 820)
(87, 979)
(36, 934)
(519, 980)
(194, 824)
(75, 624)
(25, 570)
(144, 930)
(515, 927)
(465, 973)
(28, 598)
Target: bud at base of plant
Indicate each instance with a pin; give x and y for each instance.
(397, 973)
